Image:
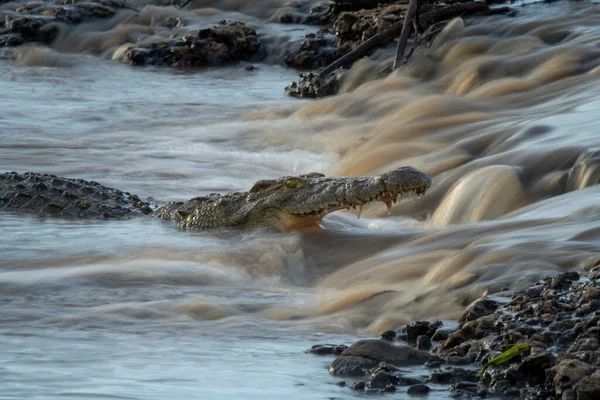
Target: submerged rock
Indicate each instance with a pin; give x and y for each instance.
(366, 354)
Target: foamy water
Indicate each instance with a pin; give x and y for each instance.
(498, 112)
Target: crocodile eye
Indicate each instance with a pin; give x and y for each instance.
(291, 183)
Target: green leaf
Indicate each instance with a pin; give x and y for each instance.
(504, 357)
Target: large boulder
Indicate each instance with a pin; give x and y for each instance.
(366, 354)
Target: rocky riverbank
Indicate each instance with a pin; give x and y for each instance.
(542, 344)
(358, 28)
(175, 34)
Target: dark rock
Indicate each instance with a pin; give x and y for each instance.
(360, 385)
(434, 362)
(441, 334)
(588, 387)
(314, 51)
(567, 373)
(423, 342)
(226, 42)
(327, 349)
(311, 85)
(366, 354)
(569, 394)
(389, 389)
(389, 335)
(563, 281)
(468, 387)
(479, 309)
(11, 40)
(407, 381)
(381, 379)
(441, 377)
(418, 390)
(419, 328)
(535, 365)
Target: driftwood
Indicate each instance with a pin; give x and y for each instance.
(363, 49)
(407, 28)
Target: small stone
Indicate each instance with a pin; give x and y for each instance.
(416, 329)
(327, 349)
(423, 342)
(441, 377)
(389, 335)
(418, 390)
(380, 380)
(407, 381)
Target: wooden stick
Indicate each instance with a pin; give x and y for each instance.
(407, 29)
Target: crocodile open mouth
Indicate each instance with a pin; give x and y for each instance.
(313, 216)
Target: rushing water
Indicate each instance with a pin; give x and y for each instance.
(498, 112)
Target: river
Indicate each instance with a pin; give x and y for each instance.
(498, 112)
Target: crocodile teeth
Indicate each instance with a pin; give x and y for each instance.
(358, 211)
(388, 204)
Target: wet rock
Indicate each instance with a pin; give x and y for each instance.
(441, 334)
(327, 349)
(11, 40)
(366, 354)
(360, 385)
(535, 365)
(563, 281)
(441, 377)
(355, 27)
(312, 85)
(479, 309)
(423, 342)
(229, 41)
(465, 388)
(567, 373)
(407, 381)
(434, 362)
(420, 328)
(418, 390)
(315, 51)
(381, 380)
(588, 387)
(389, 335)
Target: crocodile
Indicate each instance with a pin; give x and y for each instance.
(281, 204)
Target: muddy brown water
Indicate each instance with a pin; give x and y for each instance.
(497, 111)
